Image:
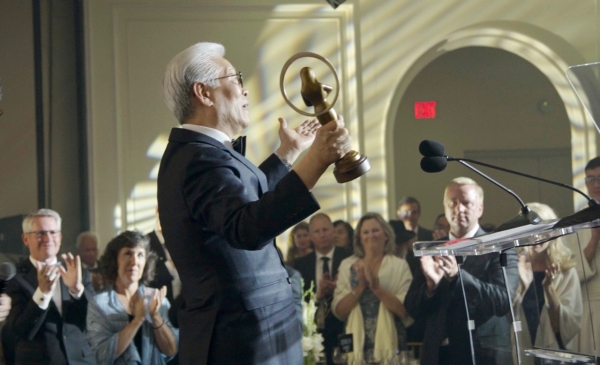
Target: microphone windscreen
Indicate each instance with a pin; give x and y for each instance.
(434, 164)
(7, 271)
(429, 148)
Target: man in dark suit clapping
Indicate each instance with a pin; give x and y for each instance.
(220, 214)
(321, 267)
(46, 324)
(436, 293)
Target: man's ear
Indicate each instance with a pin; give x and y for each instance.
(202, 93)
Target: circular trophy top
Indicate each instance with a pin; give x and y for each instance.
(284, 70)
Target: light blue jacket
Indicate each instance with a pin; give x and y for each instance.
(106, 317)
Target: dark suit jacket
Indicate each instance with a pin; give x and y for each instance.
(220, 214)
(424, 234)
(307, 267)
(446, 316)
(36, 336)
(162, 276)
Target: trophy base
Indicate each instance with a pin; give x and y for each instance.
(350, 167)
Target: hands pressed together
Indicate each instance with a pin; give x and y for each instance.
(48, 275)
(153, 299)
(326, 286)
(438, 267)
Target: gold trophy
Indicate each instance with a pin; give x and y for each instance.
(315, 94)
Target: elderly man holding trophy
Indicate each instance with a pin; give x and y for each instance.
(220, 214)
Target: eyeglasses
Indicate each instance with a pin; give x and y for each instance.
(592, 179)
(238, 75)
(40, 234)
(456, 203)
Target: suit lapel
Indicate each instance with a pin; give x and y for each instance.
(188, 136)
(29, 273)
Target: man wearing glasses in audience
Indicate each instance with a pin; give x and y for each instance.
(588, 271)
(46, 324)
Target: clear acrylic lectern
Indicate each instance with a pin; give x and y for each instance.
(530, 338)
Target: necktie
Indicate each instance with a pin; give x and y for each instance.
(239, 145)
(325, 265)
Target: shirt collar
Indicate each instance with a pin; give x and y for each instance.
(211, 132)
(34, 261)
(329, 254)
(469, 234)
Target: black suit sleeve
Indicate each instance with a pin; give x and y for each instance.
(217, 195)
(25, 316)
(487, 295)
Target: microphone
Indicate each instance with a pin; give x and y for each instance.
(437, 161)
(435, 151)
(7, 272)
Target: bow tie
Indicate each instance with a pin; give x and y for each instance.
(239, 145)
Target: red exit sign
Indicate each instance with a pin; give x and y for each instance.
(424, 109)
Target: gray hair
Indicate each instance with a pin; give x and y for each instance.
(195, 64)
(28, 220)
(82, 235)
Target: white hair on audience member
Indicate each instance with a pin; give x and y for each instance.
(28, 220)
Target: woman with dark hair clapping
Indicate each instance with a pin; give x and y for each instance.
(128, 322)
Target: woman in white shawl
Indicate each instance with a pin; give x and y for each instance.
(548, 299)
(128, 323)
(370, 291)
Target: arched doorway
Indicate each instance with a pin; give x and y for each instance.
(501, 93)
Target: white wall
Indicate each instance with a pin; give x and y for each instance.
(373, 44)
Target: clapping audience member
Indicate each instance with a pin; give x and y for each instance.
(128, 322)
(4, 299)
(46, 323)
(321, 268)
(588, 341)
(5, 305)
(370, 291)
(437, 292)
(87, 249)
(441, 227)
(299, 244)
(343, 234)
(548, 299)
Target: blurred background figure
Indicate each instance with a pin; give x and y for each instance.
(343, 233)
(5, 301)
(548, 300)
(299, 244)
(409, 212)
(370, 291)
(321, 268)
(589, 257)
(441, 227)
(165, 272)
(128, 323)
(87, 249)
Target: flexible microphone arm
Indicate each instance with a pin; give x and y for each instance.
(591, 201)
(527, 216)
(524, 208)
